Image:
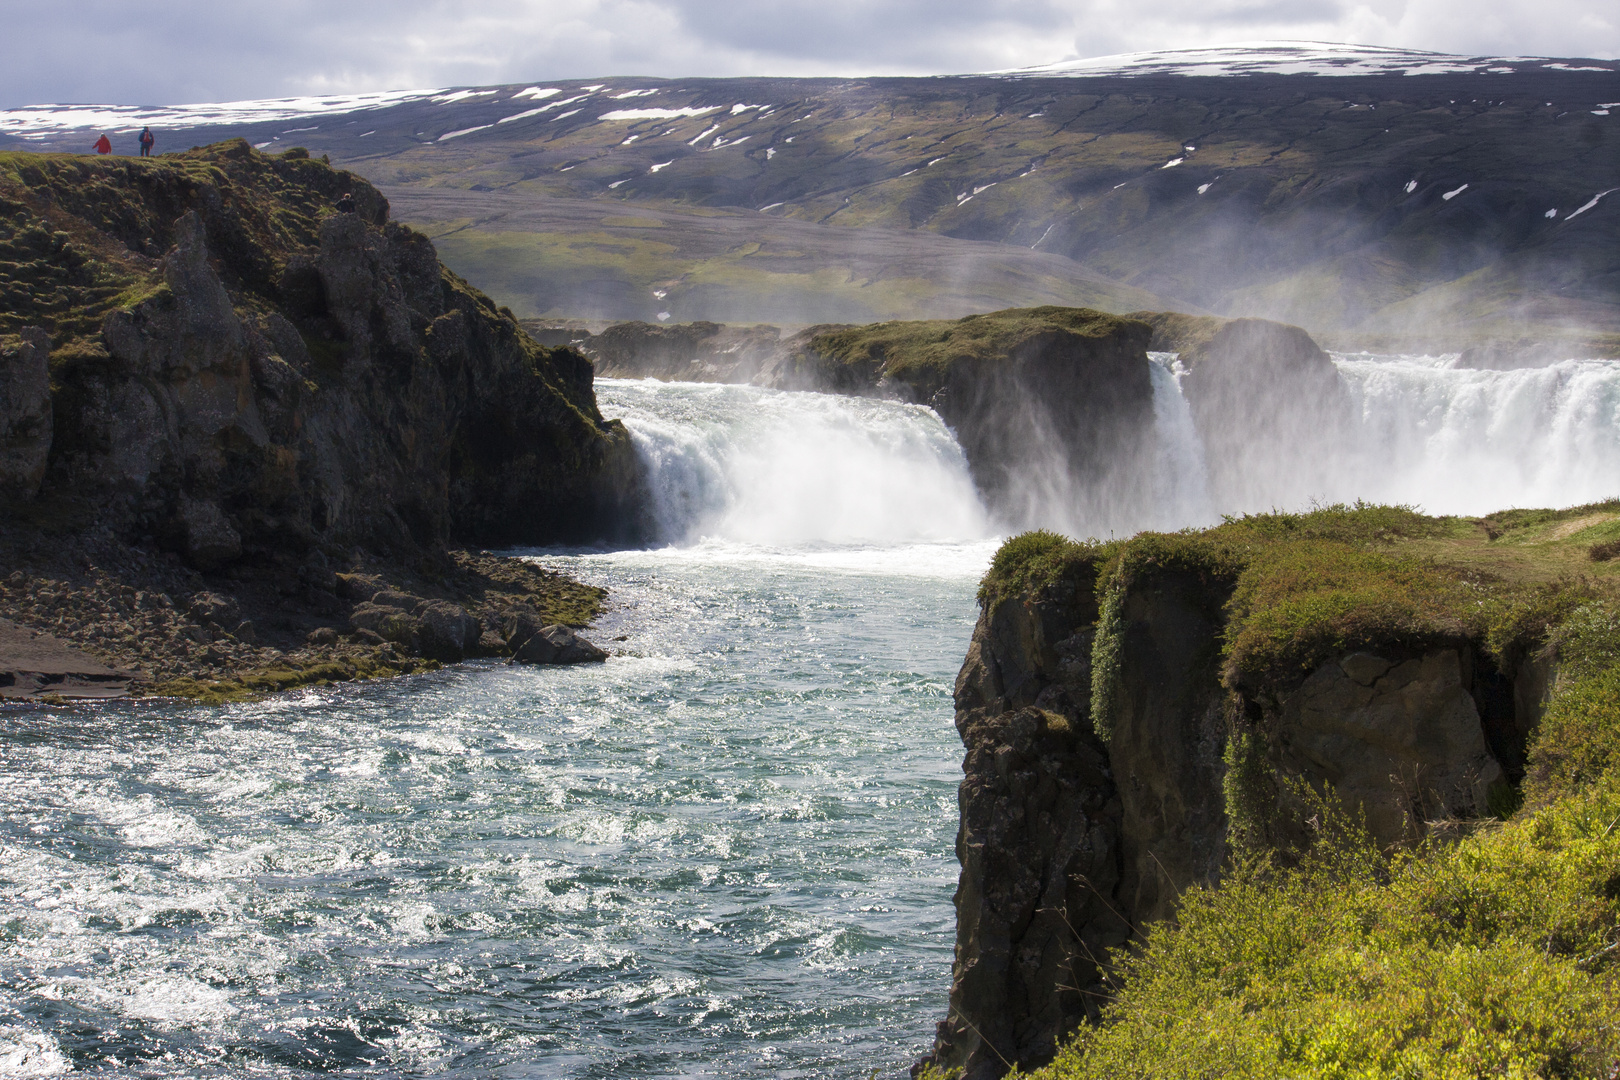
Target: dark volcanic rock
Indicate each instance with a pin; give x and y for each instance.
(447, 632)
(1052, 406)
(689, 352)
(1072, 844)
(25, 414)
(291, 379)
(557, 645)
(1272, 412)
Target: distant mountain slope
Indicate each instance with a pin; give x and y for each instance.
(1470, 200)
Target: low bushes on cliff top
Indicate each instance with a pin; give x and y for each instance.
(899, 347)
(1494, 957)
(1034, 561)
(1297, 605)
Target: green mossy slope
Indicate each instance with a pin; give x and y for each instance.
(1489, 955)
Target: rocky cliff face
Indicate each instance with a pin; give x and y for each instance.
(239, 371)
(1079, 831)
(1272, 412)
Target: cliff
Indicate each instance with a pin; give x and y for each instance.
(1149, 717)
(204, 356)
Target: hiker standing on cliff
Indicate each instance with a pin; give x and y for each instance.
(147, 139)
(103, 146)
(345, 205)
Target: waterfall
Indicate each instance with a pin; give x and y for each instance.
(1455, 440)
(1180, 474)
(1450, 440)
(747, 465)
(794, 469)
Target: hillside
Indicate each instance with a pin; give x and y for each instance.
(1361, 206)
(1324, 794)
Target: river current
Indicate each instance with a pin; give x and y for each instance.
(726, 852)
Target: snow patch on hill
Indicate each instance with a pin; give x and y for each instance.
(1299, 58)
(40, 121)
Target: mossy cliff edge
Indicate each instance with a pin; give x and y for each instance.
(201, 355)
(1325, 794)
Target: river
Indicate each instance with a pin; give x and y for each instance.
(726, 852)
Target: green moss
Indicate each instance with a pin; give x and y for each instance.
(250, 685)
(902, 349)
(1299, 604)
(1490, 957)
(1035, 561)
(1207, 556)
(1358, 523)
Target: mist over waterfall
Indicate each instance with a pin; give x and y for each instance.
(746, 465)
(794, 469)
(1454, 440)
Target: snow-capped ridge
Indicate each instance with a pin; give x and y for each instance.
(1297, 58)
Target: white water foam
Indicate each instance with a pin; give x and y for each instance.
(1455, 440)
(781, 469)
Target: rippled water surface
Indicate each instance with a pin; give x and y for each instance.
(727, 852)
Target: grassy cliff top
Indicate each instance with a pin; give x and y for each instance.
(80, 235)
(1495, 955)
(906, 348)
(1300, 588)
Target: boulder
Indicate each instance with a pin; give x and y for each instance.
(216, 608)
(395, 598)
(446, 631)
(557, 645)
(25, 414)
(358, 586)
(388, 623)
(518, 625)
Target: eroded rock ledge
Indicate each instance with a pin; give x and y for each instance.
(215, 381)
(1078, 831)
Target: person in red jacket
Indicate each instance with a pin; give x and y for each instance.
(147, 139)
(103, 146)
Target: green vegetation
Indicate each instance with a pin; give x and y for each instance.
(1493, 957)
(80, 236)
(248, 686)
(1034, 562)
(1489, 955)
(908, 349)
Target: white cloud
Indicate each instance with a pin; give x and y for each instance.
(147, 52)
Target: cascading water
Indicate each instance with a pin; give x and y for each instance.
(1461, 441)
(726, 852)
(1181, 477)
(1425, 432)
(767, 467)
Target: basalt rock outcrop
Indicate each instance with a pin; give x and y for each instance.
(204, 360)
(270, 376)
(1114, 759)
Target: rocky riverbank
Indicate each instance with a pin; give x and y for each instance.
(238, 404)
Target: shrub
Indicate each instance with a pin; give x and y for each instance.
(1033, 561)
(1491, 957)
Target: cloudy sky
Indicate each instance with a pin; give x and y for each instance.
(158, 52)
